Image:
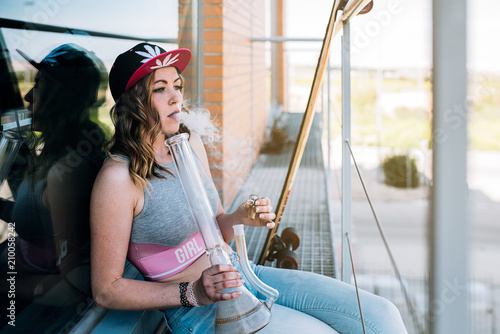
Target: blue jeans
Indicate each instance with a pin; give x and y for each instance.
(325, 298)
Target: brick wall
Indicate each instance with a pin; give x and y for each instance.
(282, 65)
(234, 88)
(187, 39)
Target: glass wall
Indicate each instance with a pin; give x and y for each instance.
(55, 103)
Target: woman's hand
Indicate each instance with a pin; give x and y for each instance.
(263, 213)
(260, 210)
(213, 280)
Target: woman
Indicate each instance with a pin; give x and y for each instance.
(51, 208)
(139, 212)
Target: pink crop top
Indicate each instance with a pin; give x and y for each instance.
(152, 260)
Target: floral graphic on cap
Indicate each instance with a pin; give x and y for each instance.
(166, 62)
(151, 53)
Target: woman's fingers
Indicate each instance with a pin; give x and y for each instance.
(260, 211)
(270, 225)
(228, 296)
(265, 211)
(217, 278)
(221, 268)
(267, 216)
(263, 201)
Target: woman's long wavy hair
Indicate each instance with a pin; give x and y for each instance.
(62, 118)
(133, 135)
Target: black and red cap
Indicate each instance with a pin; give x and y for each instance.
(73, 68)
(135, 63)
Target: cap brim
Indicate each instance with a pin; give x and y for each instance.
(178, 58)
(29, 60)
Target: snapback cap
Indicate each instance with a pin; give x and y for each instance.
(73, 68)
(135, 63)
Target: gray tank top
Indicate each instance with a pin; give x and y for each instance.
(166, 218)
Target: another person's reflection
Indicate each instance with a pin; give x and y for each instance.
(51, 211)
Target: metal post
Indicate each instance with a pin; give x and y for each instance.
(200, 59)
(378, 121)
(322, 94)
(346, 158)
(328, 119)
(328, 172)
(274, 56)
(252, 105)
(448, 230)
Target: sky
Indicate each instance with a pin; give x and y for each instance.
(395, 34)
(115, 16)
(159, 19)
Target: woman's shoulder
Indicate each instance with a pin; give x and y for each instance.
(114, 184)
(115, 171)
(197, 144)
(195, 139)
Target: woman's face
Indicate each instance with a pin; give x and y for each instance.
(167, 99)
(33, 97)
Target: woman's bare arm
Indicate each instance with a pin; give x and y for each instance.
(113, 201)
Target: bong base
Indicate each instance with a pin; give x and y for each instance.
(250, 321)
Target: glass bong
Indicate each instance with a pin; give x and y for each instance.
(244, 314)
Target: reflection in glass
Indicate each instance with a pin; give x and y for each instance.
(50, 215)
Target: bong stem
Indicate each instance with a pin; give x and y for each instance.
(192, 184)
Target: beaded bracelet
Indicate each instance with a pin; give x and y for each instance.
(182, 289)
(191, 294)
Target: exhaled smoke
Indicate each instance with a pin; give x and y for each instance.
(198, 120)
(237, 165)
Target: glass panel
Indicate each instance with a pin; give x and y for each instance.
(44, 256)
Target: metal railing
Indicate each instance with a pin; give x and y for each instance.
(26, 25)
